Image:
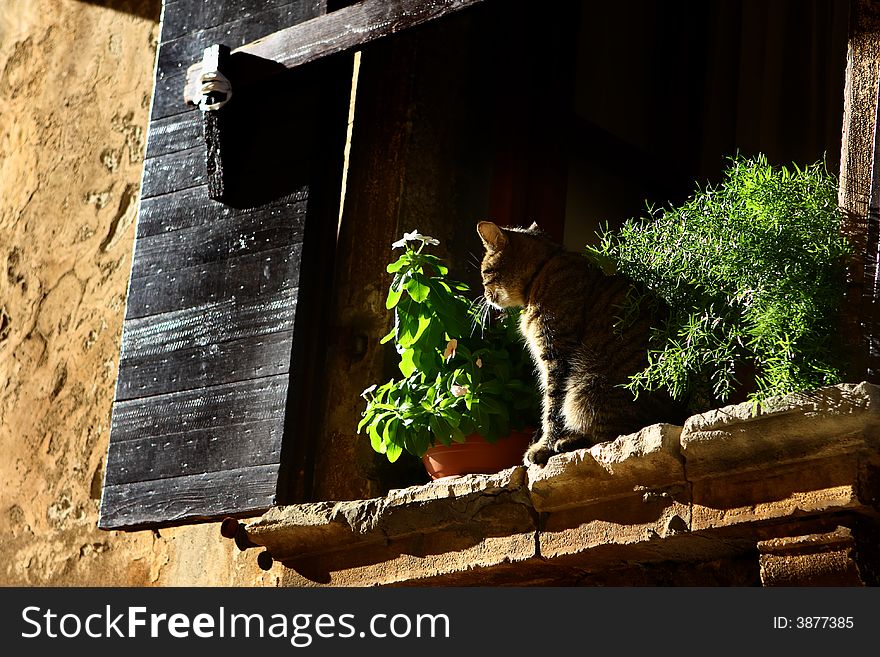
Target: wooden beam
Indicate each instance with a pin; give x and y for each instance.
(858, 169)
(336, 32)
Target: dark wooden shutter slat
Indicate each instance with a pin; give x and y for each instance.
(217, 407)
(173, 172)
(219, 240)
(190, 498)
(206, 325)
(242, 277)
(187, 208)
(224, 362)
(166, 96)
(196, 452)
(174, 134)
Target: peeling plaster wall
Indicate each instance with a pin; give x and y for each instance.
(75, 88)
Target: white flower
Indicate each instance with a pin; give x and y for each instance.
(414, 236)
(459, 391)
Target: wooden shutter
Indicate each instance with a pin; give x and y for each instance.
(220, 309)
(221, 338)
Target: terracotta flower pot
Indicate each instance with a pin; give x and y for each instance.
(476, 456)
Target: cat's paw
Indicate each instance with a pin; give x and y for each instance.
(571, 442)
(538, 454)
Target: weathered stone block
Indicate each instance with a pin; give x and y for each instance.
(425, 531)
(812, 560)
(410, 559)
(777, 492)
(825, 422)
(623, 521)
(649, 458)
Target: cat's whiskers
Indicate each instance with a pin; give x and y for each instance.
(474, 260)
(487, 312)
(480, 314)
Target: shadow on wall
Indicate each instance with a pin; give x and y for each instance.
(149, 9)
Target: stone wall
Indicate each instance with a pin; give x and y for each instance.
(75, 88)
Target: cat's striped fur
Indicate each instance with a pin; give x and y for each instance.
(569, 314)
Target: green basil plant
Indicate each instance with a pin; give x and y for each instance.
(462, 371)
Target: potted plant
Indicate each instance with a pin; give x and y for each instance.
(465, 378)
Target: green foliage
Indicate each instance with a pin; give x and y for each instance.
(460, 374)
(752, 273)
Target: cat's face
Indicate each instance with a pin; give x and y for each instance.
(505, 268)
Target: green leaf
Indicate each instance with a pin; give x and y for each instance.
(374, 416)
(393, 440)
(441, 429)
(388, 337)
(451, 310)
(418, 288)
(423, 323)
(375, 438)
(417, 441)
(452, 416)
(406, 364)
(467, 426)
(436, 263)
(398, 264)
(457, 435)
(389, 445)
(407, 327)
(393, 452)
(490, 405)
(393, 298)
(478, 414)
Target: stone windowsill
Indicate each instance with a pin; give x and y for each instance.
(719, 487)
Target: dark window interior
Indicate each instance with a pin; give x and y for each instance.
(664, 92)
(586, 113)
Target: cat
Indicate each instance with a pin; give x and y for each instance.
(582, 353)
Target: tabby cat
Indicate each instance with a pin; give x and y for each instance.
(569, 323)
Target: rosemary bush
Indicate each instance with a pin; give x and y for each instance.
(752, 273)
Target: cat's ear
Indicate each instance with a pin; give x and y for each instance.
(493, 237)
(535, 227)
